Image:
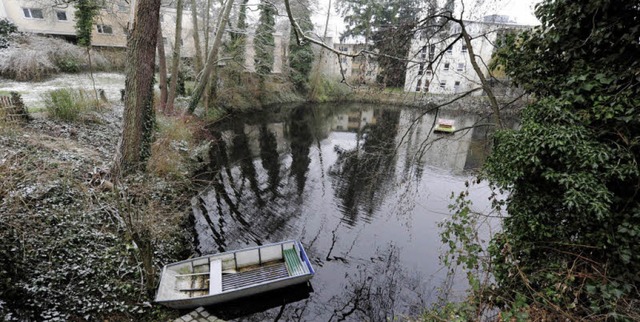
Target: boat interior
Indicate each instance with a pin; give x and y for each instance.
(224, 272)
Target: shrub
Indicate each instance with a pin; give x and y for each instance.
(173, 140)
(66, 104)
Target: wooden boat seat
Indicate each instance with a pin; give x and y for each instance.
(215, 277)
(294, 265)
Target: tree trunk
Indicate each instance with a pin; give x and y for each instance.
(196, 36)
(212, 59)
(485, 84)
(175, 59)
(138, 118)
(162, 62)
(207, 35)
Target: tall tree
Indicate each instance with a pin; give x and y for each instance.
(175, 59)
(300, 52)
(239, 36)
(196, 36)
(388, 27)
(571, 242)
(212, 59)
(263, 42)
(138, 117)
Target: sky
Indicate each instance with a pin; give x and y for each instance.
(521, 10)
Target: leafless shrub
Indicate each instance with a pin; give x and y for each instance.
(34, 58)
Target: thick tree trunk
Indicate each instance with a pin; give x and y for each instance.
(138, 117)
(212, 59)
(162, 62)
(175, 59)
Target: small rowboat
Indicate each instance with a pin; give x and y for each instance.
(231, 275)
(444, 126)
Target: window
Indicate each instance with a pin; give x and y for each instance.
(456, 86)
(343, 49)
(450, 49)
(421, 69)
(61, 15)
(161, 18)
(33, 13)
(432, 52)
(423, 52)
(446, 66)
(460, 67)
(104, 29)
(443, 84)
(426, 86)
(418, 85)
(464, 48)
(164, 40)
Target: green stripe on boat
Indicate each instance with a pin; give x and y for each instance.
(294, 266)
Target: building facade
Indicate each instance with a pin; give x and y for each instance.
(44, 18)
(441, 64)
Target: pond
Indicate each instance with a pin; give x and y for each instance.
(362, 187)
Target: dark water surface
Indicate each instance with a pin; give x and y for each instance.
(362, 187)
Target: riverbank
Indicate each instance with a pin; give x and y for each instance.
(68, 250)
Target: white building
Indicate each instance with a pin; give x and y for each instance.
(440, 64)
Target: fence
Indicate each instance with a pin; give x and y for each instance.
(12, 110)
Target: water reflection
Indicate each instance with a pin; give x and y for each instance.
(361, 175)
(362, 187)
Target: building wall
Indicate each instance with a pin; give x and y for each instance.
(452, 72)
(356, 70)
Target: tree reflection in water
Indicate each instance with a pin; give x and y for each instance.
(362, 176)
(270, 159)
(301, 139)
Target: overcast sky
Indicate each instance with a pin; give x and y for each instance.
(521, 10)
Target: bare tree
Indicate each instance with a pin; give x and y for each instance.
(162, 66)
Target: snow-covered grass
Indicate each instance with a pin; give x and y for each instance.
(32, 92)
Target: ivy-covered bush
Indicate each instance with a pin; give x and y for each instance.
(571, 242)
(6, 29)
